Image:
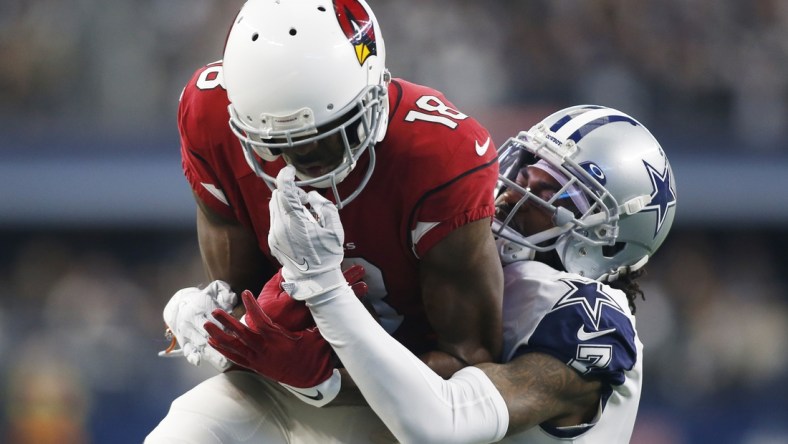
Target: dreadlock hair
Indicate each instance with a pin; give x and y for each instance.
(627, 283)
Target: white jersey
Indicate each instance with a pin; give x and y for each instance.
(585, 324)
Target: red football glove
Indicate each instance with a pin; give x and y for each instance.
(297, 358)
(281, 341)
(281, 308)
(292, 314)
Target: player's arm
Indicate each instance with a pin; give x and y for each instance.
(540, 389)
(462, 288)
(230, 251)
(477, 404)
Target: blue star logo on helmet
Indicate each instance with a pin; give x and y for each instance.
(358, 27)
(663, 195)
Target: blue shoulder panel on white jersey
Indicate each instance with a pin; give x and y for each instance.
(589, 331)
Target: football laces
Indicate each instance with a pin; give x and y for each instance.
(170, 336)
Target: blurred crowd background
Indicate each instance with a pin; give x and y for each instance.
(96, 219)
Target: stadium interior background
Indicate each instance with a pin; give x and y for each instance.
(96, 219)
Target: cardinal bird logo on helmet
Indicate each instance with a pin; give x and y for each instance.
(358, 28)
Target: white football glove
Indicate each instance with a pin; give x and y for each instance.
(185, 314)
(307, 241)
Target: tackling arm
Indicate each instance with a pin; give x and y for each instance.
(414, 402)
(477, 404)
(540, 389)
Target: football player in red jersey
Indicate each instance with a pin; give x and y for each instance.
(305, 85)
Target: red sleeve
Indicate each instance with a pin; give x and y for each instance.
(202, 123)
(467, 198)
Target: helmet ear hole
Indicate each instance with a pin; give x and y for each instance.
(612, 250)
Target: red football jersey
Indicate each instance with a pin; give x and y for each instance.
(435, 171)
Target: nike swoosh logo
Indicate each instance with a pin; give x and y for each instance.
(587, 336)
(303, 266)
(481, 149)
(315, 397)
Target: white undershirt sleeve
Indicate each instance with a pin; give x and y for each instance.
(414, 402)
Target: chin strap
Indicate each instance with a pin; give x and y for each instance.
(510, 252)
(624, 270)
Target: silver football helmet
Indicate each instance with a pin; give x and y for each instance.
(618, 178)
(300, 72)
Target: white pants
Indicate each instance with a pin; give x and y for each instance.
(241, 407)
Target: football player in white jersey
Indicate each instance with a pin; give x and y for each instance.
(589, 186)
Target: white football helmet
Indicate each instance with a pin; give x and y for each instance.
(300, 71)
(618, 177)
